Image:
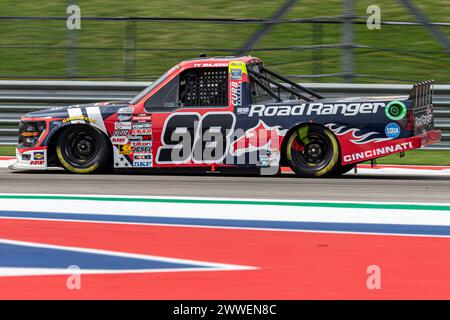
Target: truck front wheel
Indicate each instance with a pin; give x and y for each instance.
(83, 149)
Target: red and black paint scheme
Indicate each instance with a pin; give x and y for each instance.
(227, 112)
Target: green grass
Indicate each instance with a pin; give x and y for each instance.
(419, 157)
(149, 64)
(7, 150)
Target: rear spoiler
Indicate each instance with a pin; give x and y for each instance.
(421, 94)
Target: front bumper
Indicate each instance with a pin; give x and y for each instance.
(30, 159)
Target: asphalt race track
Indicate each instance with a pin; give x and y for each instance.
(346, 188)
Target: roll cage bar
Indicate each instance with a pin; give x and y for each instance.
(257, 76)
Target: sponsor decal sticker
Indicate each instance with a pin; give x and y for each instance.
(37, 162)
(395, 110)
(127, 110)
(264, 161)
(423, 120)
(142, 149)
(119, 140)
(236, 74)
(142, 163)
(236, 90)
(142, 118)
(312, 109)
(38, 155)
(141, 143)
(141, 125)
(210, 65)
(378, 152)
(121, 133)
(125, 149)
(392, 130)
(122, 125)
(78, 118)
(30, 134)
(143, 156)
(135, 138)
(141, 132)
(123, 117)
(243, 110)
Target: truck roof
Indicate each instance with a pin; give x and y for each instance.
(218, 60)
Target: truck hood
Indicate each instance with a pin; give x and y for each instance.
(62, 111)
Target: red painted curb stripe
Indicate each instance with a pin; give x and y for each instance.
(292, 265)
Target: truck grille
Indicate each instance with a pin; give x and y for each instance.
(30, 132)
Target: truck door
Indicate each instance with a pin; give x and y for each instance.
(196, 130)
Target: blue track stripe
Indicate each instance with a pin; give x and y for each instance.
(433, 230)
(23, 256)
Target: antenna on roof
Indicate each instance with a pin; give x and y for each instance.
(202, 55)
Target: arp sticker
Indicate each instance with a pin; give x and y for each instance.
(37, 162)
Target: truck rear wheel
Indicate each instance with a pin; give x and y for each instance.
(83, 149)
(312, 151)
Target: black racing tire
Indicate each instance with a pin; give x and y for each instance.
(342, 169)
(312, 151)
(83, 149)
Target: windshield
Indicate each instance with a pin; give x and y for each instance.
(156, 83)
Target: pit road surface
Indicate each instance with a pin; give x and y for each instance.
(287, 186)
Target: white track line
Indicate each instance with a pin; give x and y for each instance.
(231, 211)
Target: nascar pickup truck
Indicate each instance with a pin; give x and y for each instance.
(216, 113)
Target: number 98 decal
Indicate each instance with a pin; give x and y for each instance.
(189, 136)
